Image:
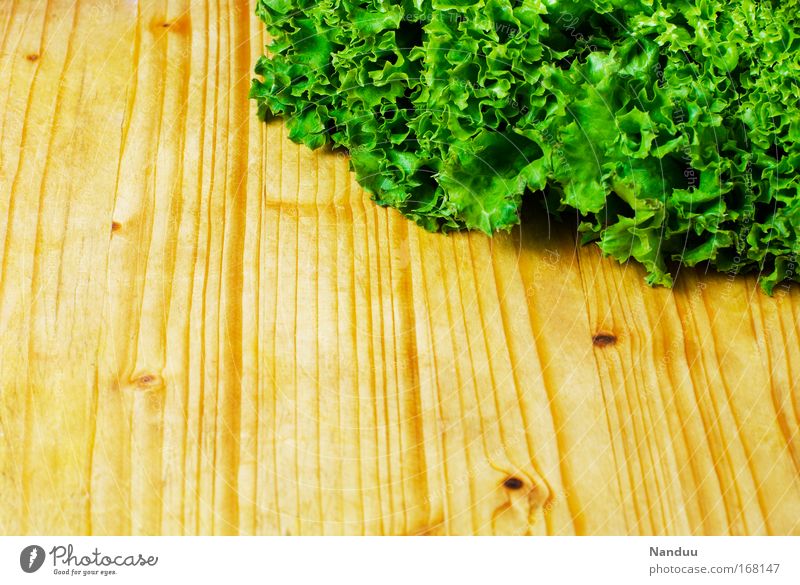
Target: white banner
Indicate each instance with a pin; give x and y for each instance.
(399, 561)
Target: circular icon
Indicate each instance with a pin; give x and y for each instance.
(31, 558)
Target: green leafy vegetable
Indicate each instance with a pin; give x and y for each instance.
(671, 127)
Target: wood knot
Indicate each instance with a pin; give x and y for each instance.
(180, 25)
(32, 57)
(115, 226)
(147, 381)
(604, 339)
(513, 483)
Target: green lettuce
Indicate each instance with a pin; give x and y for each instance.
(670, 128)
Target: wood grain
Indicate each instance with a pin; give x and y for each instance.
(206, 329)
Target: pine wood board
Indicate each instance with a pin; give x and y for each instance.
(206, 329)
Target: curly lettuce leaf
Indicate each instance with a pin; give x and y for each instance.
(671, 128)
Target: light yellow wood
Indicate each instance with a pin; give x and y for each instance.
(206, 329)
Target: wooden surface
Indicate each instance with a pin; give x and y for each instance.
(205, 328)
